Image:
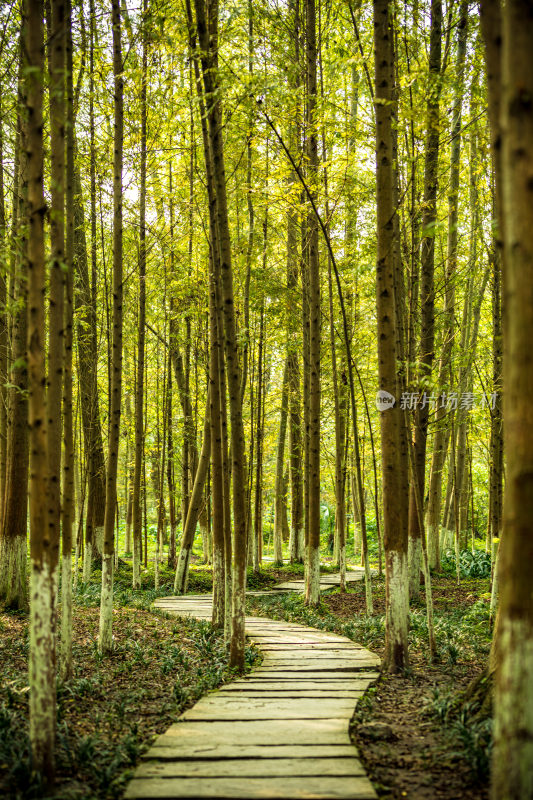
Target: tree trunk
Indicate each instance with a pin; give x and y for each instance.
(441, 429)
(512, 762)
(395, 530)
(105, 641)
(296, 536)
(56, 328)
(87, 338)
(69, 456)
(217, 454)
(195, 507)
(43, 557)
(280, 508)
(427, 292)
(13, 586)
(141, 323)
(4, 326)
(207, 29)
(312, 590)
(171, 559)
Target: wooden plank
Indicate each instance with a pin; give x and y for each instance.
(250, 768)
(349, 685)
(304, 689)
(291, 638)
(325, 731)
(303, 652)
(328, 648)
(222, 750)
(239, 709)
(287, 674)
(347, 788)
(319, 664)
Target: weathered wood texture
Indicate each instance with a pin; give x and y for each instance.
(280, 732)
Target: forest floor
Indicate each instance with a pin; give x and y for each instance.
(113, 707)
(428, 745)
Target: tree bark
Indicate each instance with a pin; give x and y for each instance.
(42, 536)
(441, 429)
(427, 291)
(207, 29)
(395, 530)
(68, 425)
(106, 603)
(56, 321)
(141, 323)
(13, 587)
(280, 508)
(312, 589)
(512, 762)
(4, 326)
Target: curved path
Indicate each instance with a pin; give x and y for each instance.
(279, 732)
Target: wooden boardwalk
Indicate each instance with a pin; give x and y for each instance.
(279, 732)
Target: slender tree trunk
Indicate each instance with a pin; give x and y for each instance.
(427, 291)
(258, 517)
(56, 320)
(139, 389)
(68, 426)
(250, 207)
(207, 28)
(296, 536)
(43, 558)
(496, 421)
(217, 454)
(87, 337)
(170, 473)
(280, 508)
(4, 325)
(13, 584)
(395, 530)
(195, 507)
(106, 603)
(441, 427)
(312, 593)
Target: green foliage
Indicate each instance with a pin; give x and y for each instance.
(469, 733)
(471, 565)
(102, 763)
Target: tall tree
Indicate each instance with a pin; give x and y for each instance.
(512, 765)
(69, 454)
(313, 508)
(106, 603)
(56, 295)
(42, 534)
(427, 292)
(207, 29)
(394, 509)
(13, 583)
(442, 427)
(139, 383)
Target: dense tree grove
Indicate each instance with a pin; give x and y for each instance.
(253, 264)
